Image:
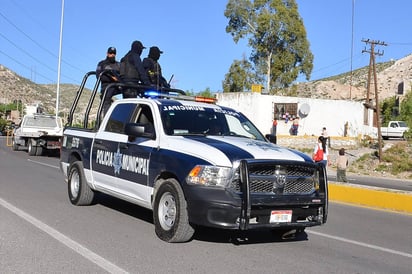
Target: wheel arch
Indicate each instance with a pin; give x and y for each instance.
(75, 156)
(160, 179)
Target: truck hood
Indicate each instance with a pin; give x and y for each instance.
(224, 150)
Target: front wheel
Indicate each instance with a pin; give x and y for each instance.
(170, 214)
(15, 146)
(79, 191)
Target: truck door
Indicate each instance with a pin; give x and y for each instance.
(394, 130)
(106, 159)
(134, 176)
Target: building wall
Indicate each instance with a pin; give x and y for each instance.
(332, 114)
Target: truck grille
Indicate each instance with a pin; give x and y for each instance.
(279, 178)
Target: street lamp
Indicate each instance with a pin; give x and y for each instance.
(59, 62)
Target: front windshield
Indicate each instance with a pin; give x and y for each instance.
(402, 124)
(195, 120)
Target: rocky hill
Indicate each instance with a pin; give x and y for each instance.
(389, 75)
(14, 87)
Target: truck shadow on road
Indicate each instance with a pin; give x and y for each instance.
(247, 237)
(204, 234)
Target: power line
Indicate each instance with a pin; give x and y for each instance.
(23, 65)
(27, 53)
(27, 36)
(39, 45)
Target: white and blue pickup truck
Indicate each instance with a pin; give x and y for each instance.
(395, 129)
(193, 163)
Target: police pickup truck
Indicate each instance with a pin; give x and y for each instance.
(193, 163)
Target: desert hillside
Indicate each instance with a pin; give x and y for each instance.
(389, 76)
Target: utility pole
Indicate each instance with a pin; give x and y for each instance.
(368, 104)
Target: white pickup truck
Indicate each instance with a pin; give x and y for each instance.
(395, 129)
(37, 133)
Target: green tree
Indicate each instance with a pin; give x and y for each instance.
(406, 109)
(387, 110)
(205, 93)
(277, 36)
(388, 107)
(239, 77)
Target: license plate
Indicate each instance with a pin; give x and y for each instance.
(281, 216)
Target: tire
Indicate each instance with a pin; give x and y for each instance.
(170, 215)
(15, 146)
(32, 150)
(289, 233)
(79, 191)
(39, 151)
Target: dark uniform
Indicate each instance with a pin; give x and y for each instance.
(111, 75)
(132, 70)
(153, 69)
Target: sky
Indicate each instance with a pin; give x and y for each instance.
(197, 50)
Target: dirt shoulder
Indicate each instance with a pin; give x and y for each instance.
(395, 162)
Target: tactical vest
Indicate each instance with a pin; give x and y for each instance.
(128, 70)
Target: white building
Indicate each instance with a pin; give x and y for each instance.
(314, 114)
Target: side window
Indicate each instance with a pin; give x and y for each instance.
(144, 116)
(121, 114)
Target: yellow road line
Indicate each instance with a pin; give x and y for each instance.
(378, 198)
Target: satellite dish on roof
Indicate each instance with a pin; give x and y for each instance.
(304, 110)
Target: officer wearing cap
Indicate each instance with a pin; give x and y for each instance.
(132, 70)
(153, 69)
(108, 70)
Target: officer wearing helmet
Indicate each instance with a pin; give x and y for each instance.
(108, 71)
(153, 69)
(132, 70)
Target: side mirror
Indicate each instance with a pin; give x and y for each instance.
(271, 138)
(140, 130)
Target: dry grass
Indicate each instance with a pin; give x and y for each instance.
(396, 162)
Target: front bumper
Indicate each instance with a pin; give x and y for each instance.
(243, 208)
(222, 209)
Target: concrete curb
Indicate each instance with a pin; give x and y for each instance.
(375, 197)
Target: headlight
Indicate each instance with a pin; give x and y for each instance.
(209, 176)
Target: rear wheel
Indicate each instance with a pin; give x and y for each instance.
(39, 151)
(32, 150)
(79, 191)
(170, 214)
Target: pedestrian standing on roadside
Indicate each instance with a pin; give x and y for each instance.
(274, 126)
(321, 153)
(326, 136)
(341, 165)
(295, 126)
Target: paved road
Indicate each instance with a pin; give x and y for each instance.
(41, 232)
(389, 183)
